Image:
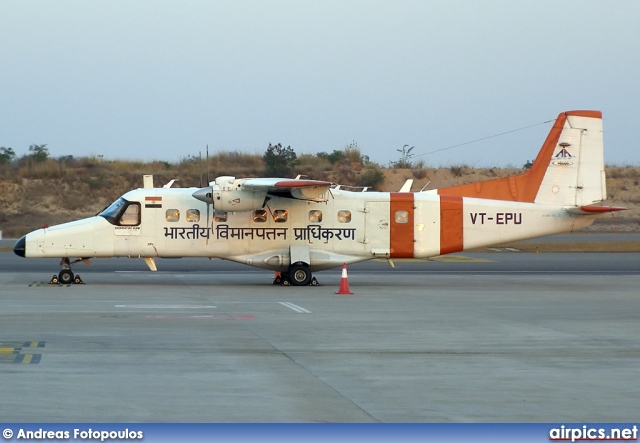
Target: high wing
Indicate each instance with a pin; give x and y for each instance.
(313, 190)
(246, 194)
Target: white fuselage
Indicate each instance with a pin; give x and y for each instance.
(347, 227)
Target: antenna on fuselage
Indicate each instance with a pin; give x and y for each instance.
(208, 179)
(200, 153)
(211, 194)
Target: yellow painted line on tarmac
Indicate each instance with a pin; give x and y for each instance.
(460, 259)
(11, 352)
(442, 258)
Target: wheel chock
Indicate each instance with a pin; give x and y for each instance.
(54, 280)
(77, 280)
(314, 282)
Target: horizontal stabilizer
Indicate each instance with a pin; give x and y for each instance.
(594, 209)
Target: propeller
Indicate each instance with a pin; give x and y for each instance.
(210, 195)
(205, 193)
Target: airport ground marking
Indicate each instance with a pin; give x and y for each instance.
(296, 308)
(201, 317)
(165, 307)
(13, 352)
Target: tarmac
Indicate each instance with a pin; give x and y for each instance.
(498, 337)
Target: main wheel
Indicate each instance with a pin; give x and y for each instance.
(65, 276)
(299, 274)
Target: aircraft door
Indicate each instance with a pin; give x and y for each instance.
(134, 232)
(376, 228)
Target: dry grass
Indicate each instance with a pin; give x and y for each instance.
(312, 167)
(34, 194)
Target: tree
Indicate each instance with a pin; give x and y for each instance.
(39, 153)
(405, 158)
(279, 161)
(7, 155)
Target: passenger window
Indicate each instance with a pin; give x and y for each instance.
(220, 217)
(315, 216)
(260, 215)
(131, 215)
(344, 216)
(402, 217)
(193, 215)
(280, 215)
(172, 215)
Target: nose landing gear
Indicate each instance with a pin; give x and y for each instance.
(66, 275)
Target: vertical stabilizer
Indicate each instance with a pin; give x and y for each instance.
(575, 171)
(568, 171)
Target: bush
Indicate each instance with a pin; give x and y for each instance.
(419, 170)
(458, 170)
(371, 177)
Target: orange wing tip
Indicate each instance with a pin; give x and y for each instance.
(597, 209)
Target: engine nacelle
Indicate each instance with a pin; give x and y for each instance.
(235, 200)
(227, 195)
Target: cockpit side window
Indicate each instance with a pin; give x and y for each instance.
(131, 215)
(113, 211)
(122, 213)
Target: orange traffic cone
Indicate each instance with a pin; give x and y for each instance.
(344, 282)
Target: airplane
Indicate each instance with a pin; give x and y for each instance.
(300, 226)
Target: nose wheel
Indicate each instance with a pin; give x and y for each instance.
(66, 275)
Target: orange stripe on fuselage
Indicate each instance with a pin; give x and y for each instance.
(451, 228)
(401, 234)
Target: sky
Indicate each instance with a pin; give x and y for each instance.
(162, 79)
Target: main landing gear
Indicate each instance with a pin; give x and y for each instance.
(66, 275)
(298, 274)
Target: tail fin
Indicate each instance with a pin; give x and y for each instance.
(569, 169)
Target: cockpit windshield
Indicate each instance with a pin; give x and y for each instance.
(122, 213)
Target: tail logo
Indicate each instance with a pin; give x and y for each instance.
(564, 155)
(563, 152)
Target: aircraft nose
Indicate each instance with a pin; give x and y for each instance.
(20, 247)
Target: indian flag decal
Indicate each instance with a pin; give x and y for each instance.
(153, 202)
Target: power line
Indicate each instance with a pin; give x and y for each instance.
(483, 138)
